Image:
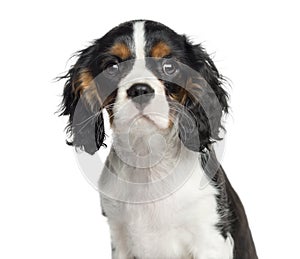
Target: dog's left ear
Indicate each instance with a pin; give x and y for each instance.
(82, 104)
(206, 101)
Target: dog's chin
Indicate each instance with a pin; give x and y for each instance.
(143, 124)
(158, 121)
(145, 120)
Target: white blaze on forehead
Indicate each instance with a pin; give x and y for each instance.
(139, 72)
(158, 108)
(139, 39)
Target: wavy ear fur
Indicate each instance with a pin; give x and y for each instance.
(206, 101)
(81, 103)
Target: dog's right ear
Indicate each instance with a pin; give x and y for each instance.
(82, 104)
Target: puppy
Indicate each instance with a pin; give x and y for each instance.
(162, 189)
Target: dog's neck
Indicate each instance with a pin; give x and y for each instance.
(148, 166)
(146, 155)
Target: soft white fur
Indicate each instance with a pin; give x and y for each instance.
(177, 225)
(151, 192)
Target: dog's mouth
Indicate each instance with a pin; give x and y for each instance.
(158, 120)
(155, 115)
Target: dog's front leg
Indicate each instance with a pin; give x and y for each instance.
(216, 250)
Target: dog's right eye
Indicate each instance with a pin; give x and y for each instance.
(112, 69)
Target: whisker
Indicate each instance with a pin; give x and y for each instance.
(89, 118)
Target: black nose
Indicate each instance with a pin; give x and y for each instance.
(140, 93)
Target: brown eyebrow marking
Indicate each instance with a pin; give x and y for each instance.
(120, 50)
(160, 50)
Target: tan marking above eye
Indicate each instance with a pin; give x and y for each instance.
(120, 50)
(160, 50)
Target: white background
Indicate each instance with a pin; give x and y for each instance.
(48, 210)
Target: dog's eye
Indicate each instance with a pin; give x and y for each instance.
(170, 68)
(112, 69)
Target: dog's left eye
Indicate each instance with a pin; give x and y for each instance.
(112, 69)
(170, 68)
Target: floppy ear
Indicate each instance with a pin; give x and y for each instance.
(206, 101)
(82, 104)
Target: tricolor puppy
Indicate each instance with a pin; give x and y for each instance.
(162, 189)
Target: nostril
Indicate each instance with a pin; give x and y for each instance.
(139, 89)
(140, 93)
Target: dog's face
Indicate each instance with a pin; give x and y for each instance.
(148, 78)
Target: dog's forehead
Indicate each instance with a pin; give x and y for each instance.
(139, 39)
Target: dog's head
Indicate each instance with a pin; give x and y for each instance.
(145, 74)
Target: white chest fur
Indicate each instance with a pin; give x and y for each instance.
(182, 225)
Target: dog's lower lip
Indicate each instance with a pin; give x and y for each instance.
(146, 117)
